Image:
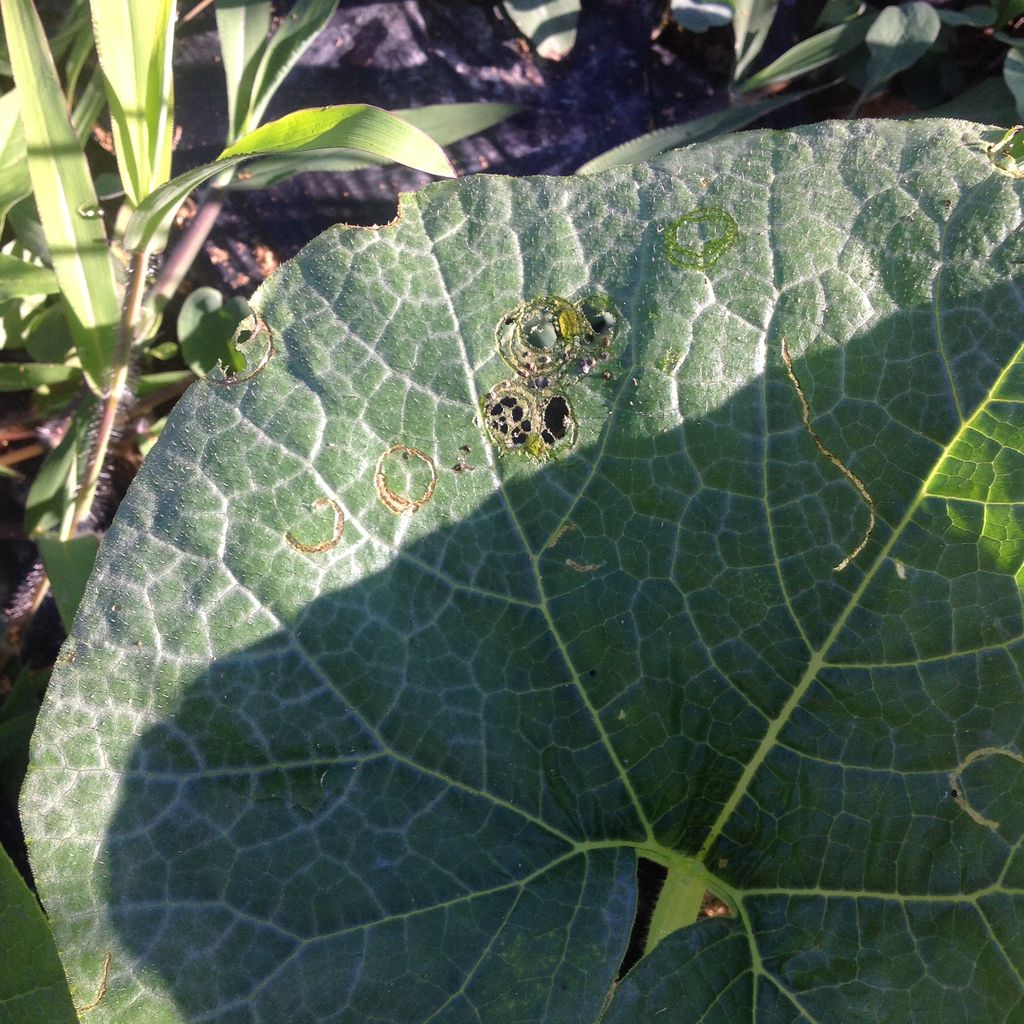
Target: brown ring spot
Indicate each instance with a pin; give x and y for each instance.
(400, 503)
(324, 545)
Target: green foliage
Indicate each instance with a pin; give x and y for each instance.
(550, 25)
(373, 717)
(105, 319)
(76, 239)
(32, 984)
(134, 42)
(865, 45)
(257, 60)
(898, 38)
(206, 326)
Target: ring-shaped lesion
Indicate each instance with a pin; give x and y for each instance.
(392, 499)
(324, 545)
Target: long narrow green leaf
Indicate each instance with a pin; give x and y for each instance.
(14, 179)
(242, 27)
(350, 126)
(256, 62)
(812, 53)
(303, 23)
(53, 490)
(701, 129)
(33, 988)
(19, 278)
(91, 102)
(751, 25)
(443, 122)
(68, 210)
(134, 43)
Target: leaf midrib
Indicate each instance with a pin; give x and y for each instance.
(819, 656)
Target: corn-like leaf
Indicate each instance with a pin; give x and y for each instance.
(134, 45)
(443, 122)
(68, 565)
(350, 126)
(14, 180)
(256, 62)
(68, 210)
(701, 129)
(242, 27)
(752, 22)
(812, 53)
(19, 278)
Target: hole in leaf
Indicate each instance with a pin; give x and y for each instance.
(712, 906)
(557, 420)
(601, 316)
(650, 877)
(541, 335)
(250, 348)
(510, 415)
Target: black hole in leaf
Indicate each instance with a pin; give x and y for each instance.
(556, 417)
(593, 672)
(650, 877)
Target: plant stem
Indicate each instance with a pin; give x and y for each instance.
(131, 309)
(29, 451)
(181, 257)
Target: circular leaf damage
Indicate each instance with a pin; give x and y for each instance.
(405, 479)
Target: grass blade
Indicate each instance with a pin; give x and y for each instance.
(255, 62)
(19, 278)
(134, 43)
(242, 27)
(350, 126)
(303, 23)
(443, 122)
(810, 54)
(700, 129)
(752, 22)
(14, 179)
(69, 214)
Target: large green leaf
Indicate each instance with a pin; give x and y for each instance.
(366, 717)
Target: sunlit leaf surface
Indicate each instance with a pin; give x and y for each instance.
(384, 683)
